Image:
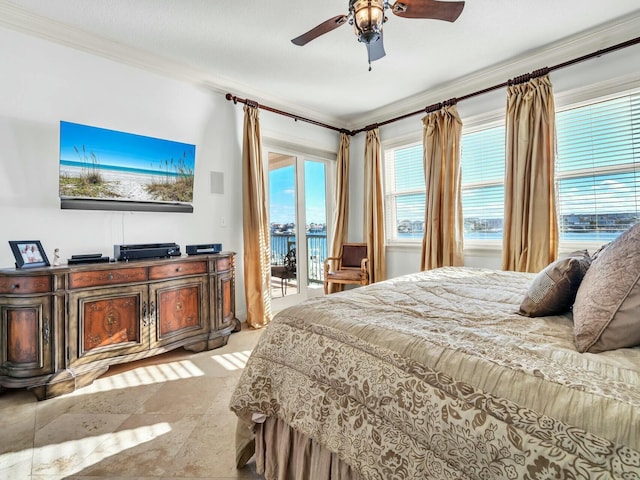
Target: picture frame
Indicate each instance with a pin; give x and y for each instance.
(102, 169)
(29, 253)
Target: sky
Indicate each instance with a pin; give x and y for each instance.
(282, 193)
(122, 149)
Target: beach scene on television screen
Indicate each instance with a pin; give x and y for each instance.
(98, 163)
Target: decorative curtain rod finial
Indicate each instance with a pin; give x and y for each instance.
(230, 97)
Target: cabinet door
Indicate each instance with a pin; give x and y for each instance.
(226, 300)
(178, 310)
(25, 329)
(108, 322)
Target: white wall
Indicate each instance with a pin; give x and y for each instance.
(43, 83)
(606, 75)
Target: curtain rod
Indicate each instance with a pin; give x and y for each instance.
(437, 106)
(521, 79)
(252, 103)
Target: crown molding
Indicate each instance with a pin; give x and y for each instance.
(20, 20)
(23, 21)
(576, 46)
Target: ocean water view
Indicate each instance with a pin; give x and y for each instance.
(281, 244)
(115, 168)
(604, 236)
(317, 248)
(317, 242)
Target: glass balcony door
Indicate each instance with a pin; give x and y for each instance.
(298, 224)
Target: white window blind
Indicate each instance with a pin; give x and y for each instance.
(482, 165)
(404, 193)
(598, 169)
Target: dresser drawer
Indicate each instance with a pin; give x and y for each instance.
(223, 264)
(96, 278)
(35, 284)
(178, 269)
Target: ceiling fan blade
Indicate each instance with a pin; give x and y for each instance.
(376, 50)
(321, 29)
(448, 11)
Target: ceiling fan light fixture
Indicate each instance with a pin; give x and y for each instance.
(368, 17)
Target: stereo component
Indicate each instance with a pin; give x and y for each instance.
(87, 258)
(145, 250)
(204, 249)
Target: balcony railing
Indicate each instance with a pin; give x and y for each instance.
(316, 252)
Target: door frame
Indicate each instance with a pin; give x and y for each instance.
(301, 154)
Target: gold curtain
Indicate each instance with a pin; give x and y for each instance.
(257, 272)
(442, 243)
(374, 207)
(341, 214)
(530, 240)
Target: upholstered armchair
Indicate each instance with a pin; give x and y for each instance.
(351, 267)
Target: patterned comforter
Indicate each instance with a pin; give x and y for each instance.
(435, 376)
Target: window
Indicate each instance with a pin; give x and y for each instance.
(598, 169)
(482, 187)
(483, 183)
(404, 193)
(597, 176)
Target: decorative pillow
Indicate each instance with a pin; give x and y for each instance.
(606, 313)
(554, 288)
(597, 253)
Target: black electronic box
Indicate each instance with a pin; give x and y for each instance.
(145, 250)
(87, 258)
(204, 249)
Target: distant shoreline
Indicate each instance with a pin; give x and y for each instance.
(70, 164)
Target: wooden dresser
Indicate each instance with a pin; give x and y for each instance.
(61, 327)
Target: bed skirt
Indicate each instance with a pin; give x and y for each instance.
(282, 453)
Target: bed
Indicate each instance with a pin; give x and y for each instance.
(436, 375)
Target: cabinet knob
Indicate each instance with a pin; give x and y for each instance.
(15, 286)
(178, 269)
(110, 276)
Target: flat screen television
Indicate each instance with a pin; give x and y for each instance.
(103, 169)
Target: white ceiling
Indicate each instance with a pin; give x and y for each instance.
(244, 46)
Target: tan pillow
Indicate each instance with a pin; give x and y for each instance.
(554, 288)
(597, 253)
(606, 313)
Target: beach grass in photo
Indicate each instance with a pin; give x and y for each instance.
(177, 185)
(86, 187)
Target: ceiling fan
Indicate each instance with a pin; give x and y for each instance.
(367, 17)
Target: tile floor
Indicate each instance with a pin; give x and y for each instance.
(165, 417)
